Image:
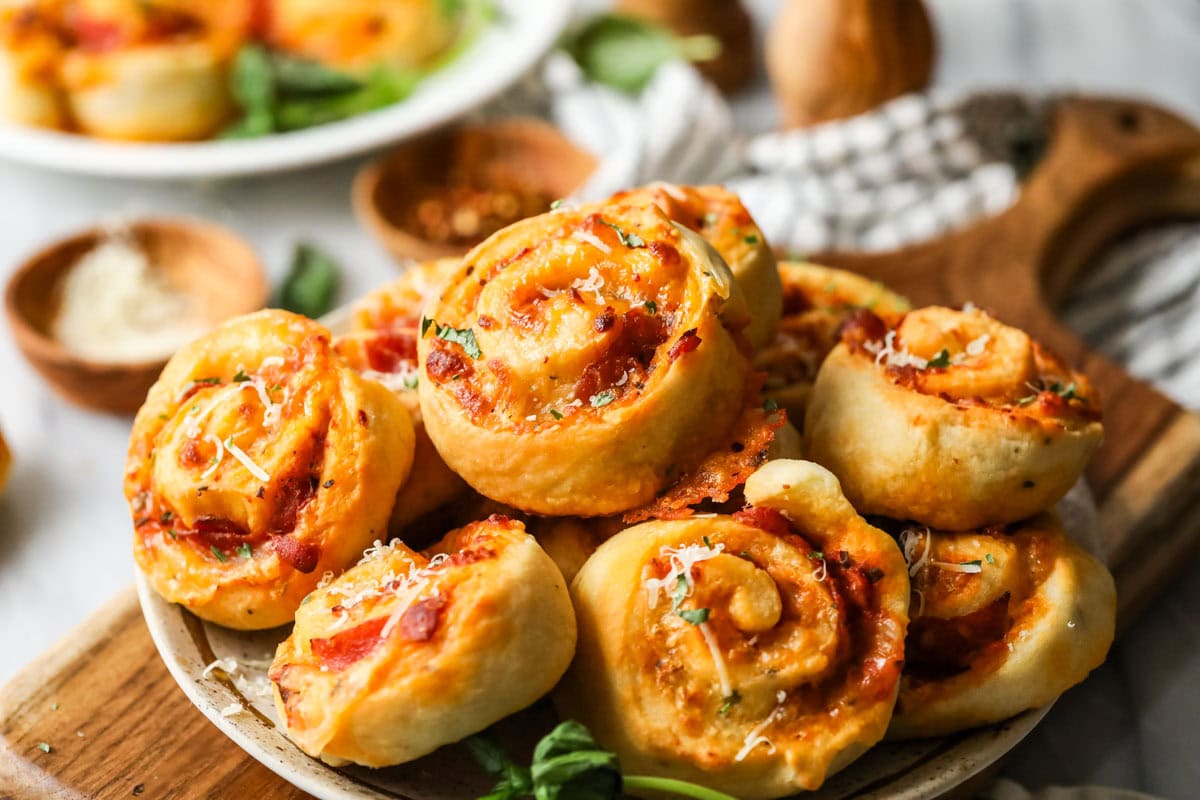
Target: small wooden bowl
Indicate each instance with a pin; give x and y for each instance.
(521, 151)
(207, 261)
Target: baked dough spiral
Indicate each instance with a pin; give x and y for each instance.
(950, 418)
(816, 301)
(718, 215)
(258, 461)
(755, 654)
(577, 360)
(383, 347)
(1003, 620)
(407, 652)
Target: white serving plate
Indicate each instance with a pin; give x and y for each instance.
(524, 32)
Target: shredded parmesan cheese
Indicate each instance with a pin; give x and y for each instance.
(821, 572)
(403, 379)
(226, 665)
(217, 459)
(950, 566)
(910, 540)
(233, 709)
(251, 467)
(976, 346)
(594, 283)
(413, 585)
(682, 560)
(592, 239)
(718, 659)
(755, 737)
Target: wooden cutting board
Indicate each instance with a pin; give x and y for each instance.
(117, 726)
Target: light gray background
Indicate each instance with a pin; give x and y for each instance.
(64, 528)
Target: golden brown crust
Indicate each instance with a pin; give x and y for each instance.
(756, 653)
(718, 215)
(259, 461)
(950, 418)
(816, 301)
(1003, 620)
(574, 357)
(407, 651)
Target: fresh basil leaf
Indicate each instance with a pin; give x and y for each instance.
(311, 284)
(568, 764)
(302, 76)
(694, 616)
(253, 124)
(624, 52)
(252, 79)
(382, 87)
(464, 337)
(940, 361)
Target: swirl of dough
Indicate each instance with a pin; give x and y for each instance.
(950, 418)
(718, 215)
(1002, 621)
(383, 347)
(258, 461)
(407, 652)
(816, 301)
(577, 359)
(755, 654)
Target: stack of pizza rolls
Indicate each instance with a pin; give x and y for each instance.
(966, 432)
(598, 398)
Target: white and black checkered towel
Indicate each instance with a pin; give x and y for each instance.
(913, 169)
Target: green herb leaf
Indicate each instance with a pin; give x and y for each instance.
(816, 555)
(220, 556)
(770, 404)
(989, 559)
(301, 76)
(680, 593)
(210, 381)
(652, 306)
(707, 543)
(411, 382)
(751, 240)
(425, 323)
(240, 377)
(311, 283)
(624, 52)
(602, 398)
(941, 360)
(245, 551)
(1068, 392)
(569, 765)
(729, 702)
(253, 79)
(696, 616)
(464, 337)
(554, 413)
(515, 781)
(382, 87)
(629, 239)
(44, 747)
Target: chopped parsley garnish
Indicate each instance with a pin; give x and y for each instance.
(554, 413)
(628, 238)
(556, 204)
(464, 337)
(681, 589)
(707, 543)
(241, 376)
(817, 555)
(209, 381)
(694, 616)
(730, 701)
(652, 306)
(988, 558)
(942, 359)
(220, 556)
(171, 532)
(751, 239)
(770, 404)
(411, 382)
(245, 551)
(602, 398)
(1068, 392)
(44, 747)
(166, 517)
(163, 417)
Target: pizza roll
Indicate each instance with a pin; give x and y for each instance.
(1003, 620)
(950, 418)
(259, 461)
(718, 215)
(816, 301)
(407, 652)
(399, 304)
(356, 35)
(30, 52)
(579, 360)
(755, 654)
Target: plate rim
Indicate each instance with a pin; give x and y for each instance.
(487, 68)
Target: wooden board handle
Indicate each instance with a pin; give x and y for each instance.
(1111, 166)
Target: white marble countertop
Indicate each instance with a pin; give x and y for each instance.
(64, 528)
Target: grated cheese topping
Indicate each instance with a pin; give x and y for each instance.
(233, 709)
(718, 659)
(592, 239)
(217, 459)
(755, 737)
(227, 665)
(887, 355)
(682, 559)
(251, 467)
(910, 540)
(403, 379)
(594, 283)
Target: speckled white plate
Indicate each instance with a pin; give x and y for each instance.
(524, 32)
